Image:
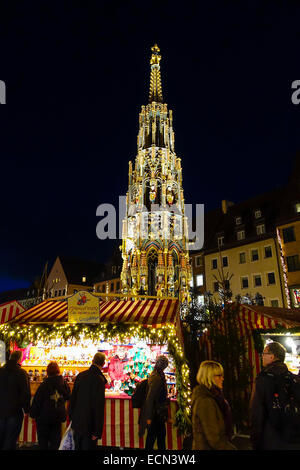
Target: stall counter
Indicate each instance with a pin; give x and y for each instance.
(120, 426)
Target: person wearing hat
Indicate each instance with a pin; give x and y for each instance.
(87, 405)
(154, 412)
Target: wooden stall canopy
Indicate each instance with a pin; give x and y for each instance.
(146, 312)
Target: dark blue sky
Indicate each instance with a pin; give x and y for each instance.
(77, 74)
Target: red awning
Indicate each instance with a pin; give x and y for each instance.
(145, 312)
(9, 310)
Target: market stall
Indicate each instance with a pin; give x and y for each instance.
(131, 334)
(258, 325)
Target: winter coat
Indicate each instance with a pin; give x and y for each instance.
(263, 435)
(87, 403)
(49, 403)
(156, 402)
(14, 390)
(209, 431)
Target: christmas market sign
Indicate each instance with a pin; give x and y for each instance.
(83, 307)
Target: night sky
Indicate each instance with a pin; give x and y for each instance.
(76, 75)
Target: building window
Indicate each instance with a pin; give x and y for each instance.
(271, 279)
(64, 291)
(293, 263)
(268, 252)
(200, 299)
(199, 280)
(238, 220)
(192, 282)
(260, 229)
(274, 303)
(59, 293)
(112, 287)
(216, 286)
(240, 234)
(257, 214)
(225, 261)
(55, 293)
(288, 234)
(199, 261)
(257, 280)
(242, 258)
(103, 288)
(254, 255)
(214, 263)
(83, 279)
(118, 286)
(50, 294)
(220, 241)
(245, 282)
(226, 285)
(297, 207)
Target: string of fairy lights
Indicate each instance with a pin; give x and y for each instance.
(24, 335)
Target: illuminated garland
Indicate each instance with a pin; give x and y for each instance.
(26, 334)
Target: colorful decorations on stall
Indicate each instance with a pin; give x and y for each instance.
(119, 333)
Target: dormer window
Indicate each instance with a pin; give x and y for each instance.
(257, 214)
(220, 241)
(238, 220)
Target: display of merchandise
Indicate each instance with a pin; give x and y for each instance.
(126, 364)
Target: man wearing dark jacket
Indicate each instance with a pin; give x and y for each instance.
(264, 435)
(14, 400)
(87, 405)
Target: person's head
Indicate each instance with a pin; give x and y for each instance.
(210, 373)
(99, 360)
(16, 356)
(53, 369)
(273, 352)
(161, 362)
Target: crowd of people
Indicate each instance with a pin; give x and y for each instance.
(212, 422)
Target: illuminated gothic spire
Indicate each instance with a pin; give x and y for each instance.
(155, 93)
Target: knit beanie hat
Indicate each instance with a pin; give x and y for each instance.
(161, 362)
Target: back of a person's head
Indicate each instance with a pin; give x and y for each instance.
(16, 356)
(99, 359)
(207, 371)
(53, 369)
(277, 350)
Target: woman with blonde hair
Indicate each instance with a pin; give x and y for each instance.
(211, 414)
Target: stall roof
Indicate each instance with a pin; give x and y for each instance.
(258, 316)
(9, 310)
(146, 312)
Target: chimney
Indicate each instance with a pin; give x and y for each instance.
(225, 205)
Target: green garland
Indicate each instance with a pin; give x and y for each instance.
(257, 335)
(26, 334)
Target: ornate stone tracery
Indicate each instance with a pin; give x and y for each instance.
(155, 239)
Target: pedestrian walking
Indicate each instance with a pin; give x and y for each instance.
(87, 405)
(211, 413)
(14, 400)
(154, 412)
(276, 390)
(49, 408)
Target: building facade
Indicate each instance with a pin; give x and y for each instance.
(253, 248)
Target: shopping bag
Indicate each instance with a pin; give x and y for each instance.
(67, 442)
